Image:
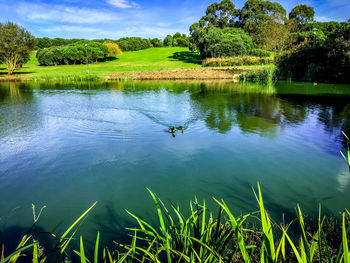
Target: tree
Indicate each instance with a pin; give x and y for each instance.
(168, 41)
(177, 35)
(220, 15)
(302, 14)
(226, 42)
(274, 35)
(156, 42)
(325, 62)
(255, 13)
(180, 40)
(16, 44)
(113, 49)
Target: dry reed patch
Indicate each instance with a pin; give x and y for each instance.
(178, 74)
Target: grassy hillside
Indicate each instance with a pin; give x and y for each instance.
(149, 59)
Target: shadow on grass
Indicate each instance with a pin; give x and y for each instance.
(187, 57)
(111, 58)
(16, 73)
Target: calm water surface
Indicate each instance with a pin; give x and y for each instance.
(67, 145)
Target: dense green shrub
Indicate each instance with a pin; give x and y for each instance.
(237, 61)
(46, 42)
(156, 42)
(168, 41)
(305, 39)
(72, 54)
(261, 53)
(329, 62)
(327, 28)
(126, 43)
(133, 43)
(226, 42)
(177, 40)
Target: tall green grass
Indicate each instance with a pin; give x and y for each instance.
(203, 236)
(264, 75)
(347, 158)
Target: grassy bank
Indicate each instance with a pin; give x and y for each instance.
(153, 59)
(203, 236)
(149, 59)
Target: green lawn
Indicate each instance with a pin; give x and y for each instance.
(149, 59)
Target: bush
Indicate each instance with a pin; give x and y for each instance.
(261, 53)
(237, 61)
(72, 54)
(46, 42)
(226, 42)
(133, 43)
(168, 41)
(113, 49)
(156, 42)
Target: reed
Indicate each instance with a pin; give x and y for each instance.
(264, 75)
(347, 158)
(203, 237)
(237, 61)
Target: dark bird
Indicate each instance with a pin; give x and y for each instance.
(172, 130)
(181, 128)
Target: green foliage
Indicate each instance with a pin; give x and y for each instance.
(328, 62)
(168, 41)
(202, 237)
(302, 14)
(72, 54)
(56, 253)
(274, 35)
(46, 42)
(133, 43)
(237, 61)
(225, 42)
(177, 40)
(220, 15)
(16, 44)
(156, 42)
(305, 39)
(327, 28)
(255, 13)
(261, 53)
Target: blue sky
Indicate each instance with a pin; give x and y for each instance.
(118, 18)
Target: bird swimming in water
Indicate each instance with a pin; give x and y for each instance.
(181, 128)
(172, 130)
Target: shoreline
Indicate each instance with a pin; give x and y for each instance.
(217, 73)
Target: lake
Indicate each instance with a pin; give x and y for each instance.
(68, 145)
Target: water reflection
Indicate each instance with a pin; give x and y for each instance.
(65, 145)
(19, 111)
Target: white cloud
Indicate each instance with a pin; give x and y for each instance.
(71, 31)
(323, 19)
(39, 13)
(123, 3)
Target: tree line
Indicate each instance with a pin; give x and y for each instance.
(125, 43)
(305, 50)
(81, 52)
